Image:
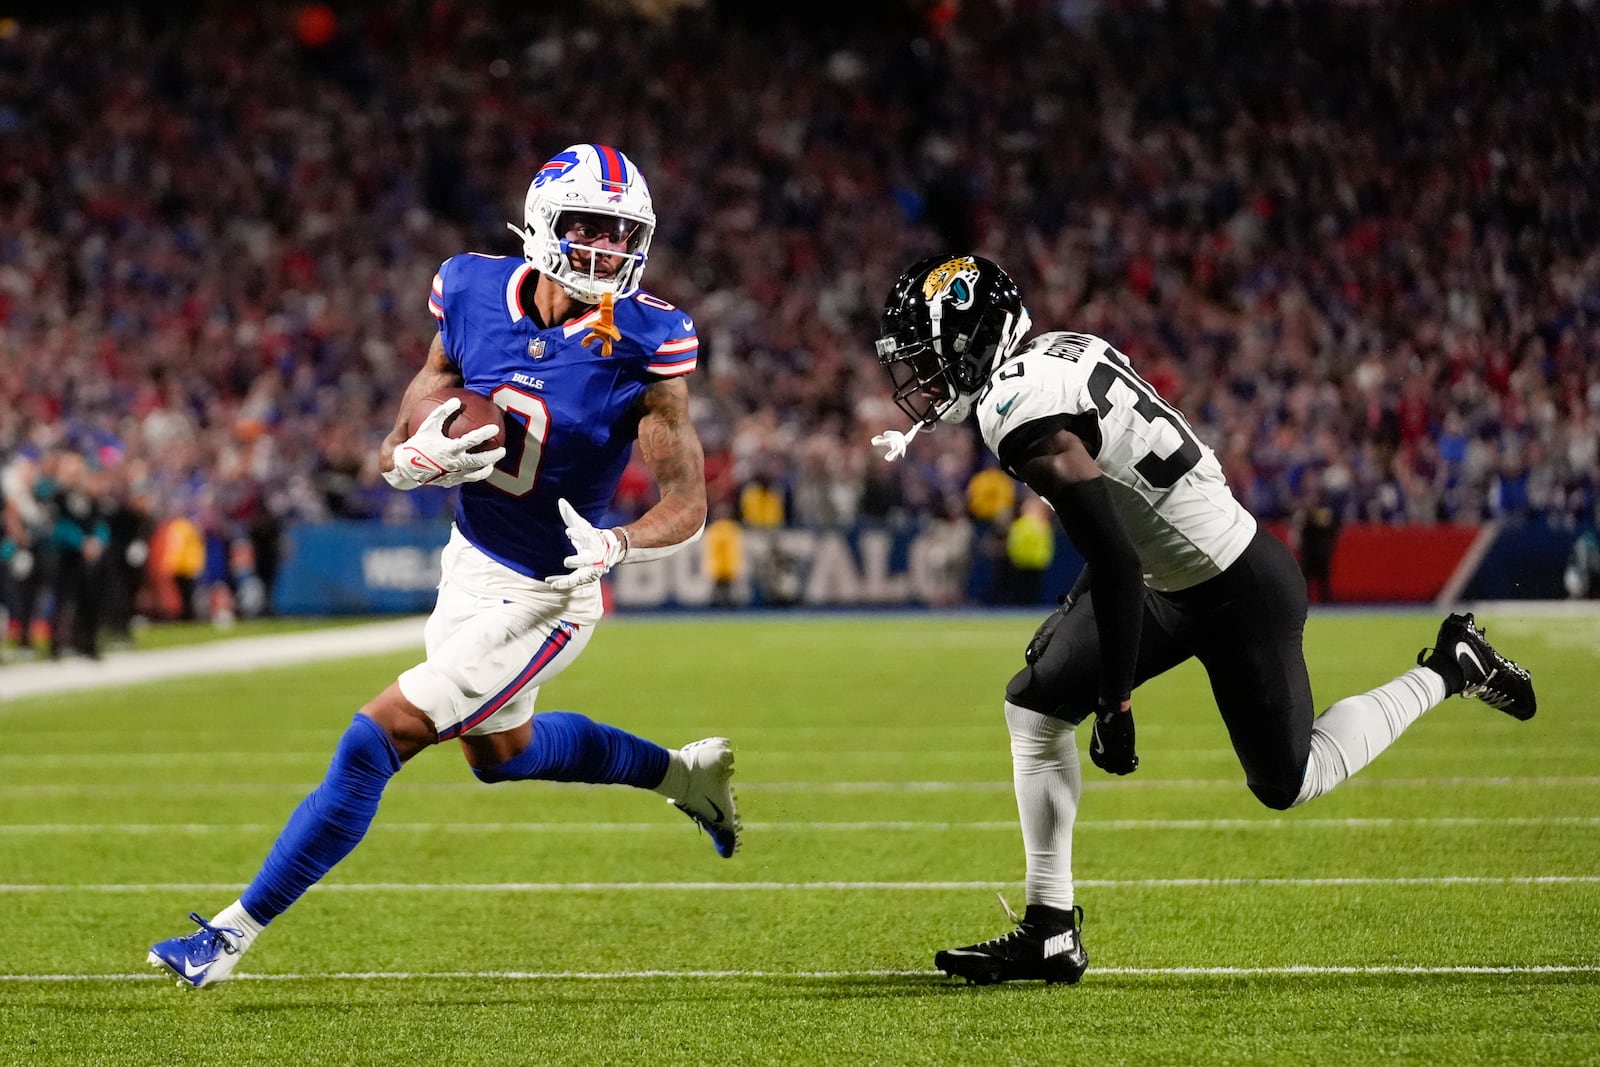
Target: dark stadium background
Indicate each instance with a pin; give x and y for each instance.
(1356, 243)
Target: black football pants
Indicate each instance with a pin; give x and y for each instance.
(1245, 626)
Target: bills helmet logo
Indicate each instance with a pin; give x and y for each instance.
(558, 166)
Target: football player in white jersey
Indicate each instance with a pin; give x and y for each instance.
(584, 364)
(1175, 568)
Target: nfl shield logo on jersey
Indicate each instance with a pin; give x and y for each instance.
(536, 348)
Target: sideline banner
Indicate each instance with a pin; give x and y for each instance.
(1397, 564)
(861, 567)
(372, 568)
(359, 568)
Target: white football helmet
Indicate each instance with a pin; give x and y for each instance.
(596, 190)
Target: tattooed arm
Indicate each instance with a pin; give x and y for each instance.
(671, 450)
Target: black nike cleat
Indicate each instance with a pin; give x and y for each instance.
(1470, 667)
(1046, 946)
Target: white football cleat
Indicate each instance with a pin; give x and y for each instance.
(708, 798)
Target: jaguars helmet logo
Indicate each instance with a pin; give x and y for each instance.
(955, 280)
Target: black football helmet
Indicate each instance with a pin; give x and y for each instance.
(948, 322)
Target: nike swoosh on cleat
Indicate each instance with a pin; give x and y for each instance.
(714, 808)
(1464, 649)
(191, 971)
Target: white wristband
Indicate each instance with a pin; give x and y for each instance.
(632, 554)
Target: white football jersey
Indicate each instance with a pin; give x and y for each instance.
(1166, 485)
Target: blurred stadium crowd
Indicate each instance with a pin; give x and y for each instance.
(1359, 244)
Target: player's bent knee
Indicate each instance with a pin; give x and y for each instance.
(1279, 796)
(408, 726)
(491, 775)
(1027, 690)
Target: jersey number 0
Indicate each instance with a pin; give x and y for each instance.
(530, 409)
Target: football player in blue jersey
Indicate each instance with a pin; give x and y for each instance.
(1176, 569)
(584, 364)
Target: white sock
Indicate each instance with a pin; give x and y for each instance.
(1349, 735)
(234, 917)
(1048, 782)
(675, 783)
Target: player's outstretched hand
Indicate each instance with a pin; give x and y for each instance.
(597, 551)
(1111, 744)
(432, 457)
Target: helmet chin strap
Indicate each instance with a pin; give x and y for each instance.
(527, 239)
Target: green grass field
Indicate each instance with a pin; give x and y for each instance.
(1442, 908)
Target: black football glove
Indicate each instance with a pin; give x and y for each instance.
(1111, 744)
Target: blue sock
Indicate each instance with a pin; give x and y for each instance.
(568, 747)
(329, 822)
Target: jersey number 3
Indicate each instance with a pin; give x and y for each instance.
(1162, 472)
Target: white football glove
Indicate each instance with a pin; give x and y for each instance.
(597, 550)
(894, 443)
(429, 457)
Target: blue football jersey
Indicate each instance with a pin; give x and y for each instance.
(570, 419)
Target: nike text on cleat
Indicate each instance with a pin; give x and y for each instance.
(1046, 946)
(1471, 667)
(708, 798)
(202, 958)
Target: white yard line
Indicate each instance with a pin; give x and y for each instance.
(1370, 781)
(19, 680)
(886, 826)
(813, 887)
(1289, 970)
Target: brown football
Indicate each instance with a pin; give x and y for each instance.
(476, 410)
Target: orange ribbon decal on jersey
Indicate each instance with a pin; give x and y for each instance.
(605, 329)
